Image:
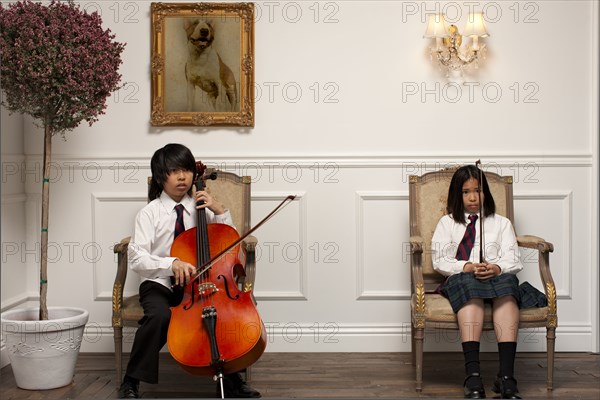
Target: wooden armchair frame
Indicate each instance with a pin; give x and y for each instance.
(231, 190)
(427, 203)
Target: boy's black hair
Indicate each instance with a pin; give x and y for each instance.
(165, 160)
(455, 206)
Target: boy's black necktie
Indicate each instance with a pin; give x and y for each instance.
(179, 226)
(466, 244)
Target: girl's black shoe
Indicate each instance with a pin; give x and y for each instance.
(506, 386)
(473, 386)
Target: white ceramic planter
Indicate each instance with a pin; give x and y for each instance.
(43, 354)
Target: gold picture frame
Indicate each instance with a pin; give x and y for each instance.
(202, 64)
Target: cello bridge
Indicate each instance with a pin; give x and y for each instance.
(207, 289)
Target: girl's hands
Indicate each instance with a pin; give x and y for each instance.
(482, 271)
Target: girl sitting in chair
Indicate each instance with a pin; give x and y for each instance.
(473, 281)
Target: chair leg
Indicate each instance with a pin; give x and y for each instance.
(418, 353)
(118, 336)
(550, 342)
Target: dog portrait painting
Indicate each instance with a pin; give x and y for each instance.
(203, 64)
(205, 69)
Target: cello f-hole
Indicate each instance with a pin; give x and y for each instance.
(237, 296)
(191, 303)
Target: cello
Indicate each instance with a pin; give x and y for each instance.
(215, 329)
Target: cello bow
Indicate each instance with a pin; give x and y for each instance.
(206, 266)
(481, 241)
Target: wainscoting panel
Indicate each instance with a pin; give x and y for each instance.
(112, 220)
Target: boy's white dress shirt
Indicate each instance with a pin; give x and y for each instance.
(149, 251)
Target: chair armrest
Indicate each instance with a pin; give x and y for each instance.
(544, 249)
(250, 242)
(416, 250)
(121, 247)
(534, 242)
(416, 244)
(117, 296)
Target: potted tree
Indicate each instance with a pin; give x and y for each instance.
(59, 66)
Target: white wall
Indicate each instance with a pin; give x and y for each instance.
(381, 113)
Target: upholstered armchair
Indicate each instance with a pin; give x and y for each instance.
(233, 192)
(429, 311)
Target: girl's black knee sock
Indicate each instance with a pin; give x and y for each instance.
(506, 354)
(471, 352)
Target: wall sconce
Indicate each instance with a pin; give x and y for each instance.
(448, 51)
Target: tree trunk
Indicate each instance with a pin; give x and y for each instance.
(44, 233)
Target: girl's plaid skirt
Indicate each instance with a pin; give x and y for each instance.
(463, 287)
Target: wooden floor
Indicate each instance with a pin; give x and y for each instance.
(334, 375)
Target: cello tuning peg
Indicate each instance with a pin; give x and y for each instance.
(211, 174)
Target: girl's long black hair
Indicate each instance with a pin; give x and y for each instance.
(170, 158)
(455, 206)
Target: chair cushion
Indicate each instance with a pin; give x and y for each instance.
(438, 309)
(132, 310)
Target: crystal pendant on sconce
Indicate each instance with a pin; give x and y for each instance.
(455, 62)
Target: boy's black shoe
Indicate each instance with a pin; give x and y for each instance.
(506, 386)
(235, 387)
(128, 390)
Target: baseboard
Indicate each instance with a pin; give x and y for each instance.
(393, 338)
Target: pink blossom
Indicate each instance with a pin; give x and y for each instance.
(57, 63)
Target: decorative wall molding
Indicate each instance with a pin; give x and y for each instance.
(362, 292)
(98, 199)
(335, 337)
(12, 158)
(412, 162)
(301, 294)
(564, 288)
(8, 199)
(105, 293)
(16, 301)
